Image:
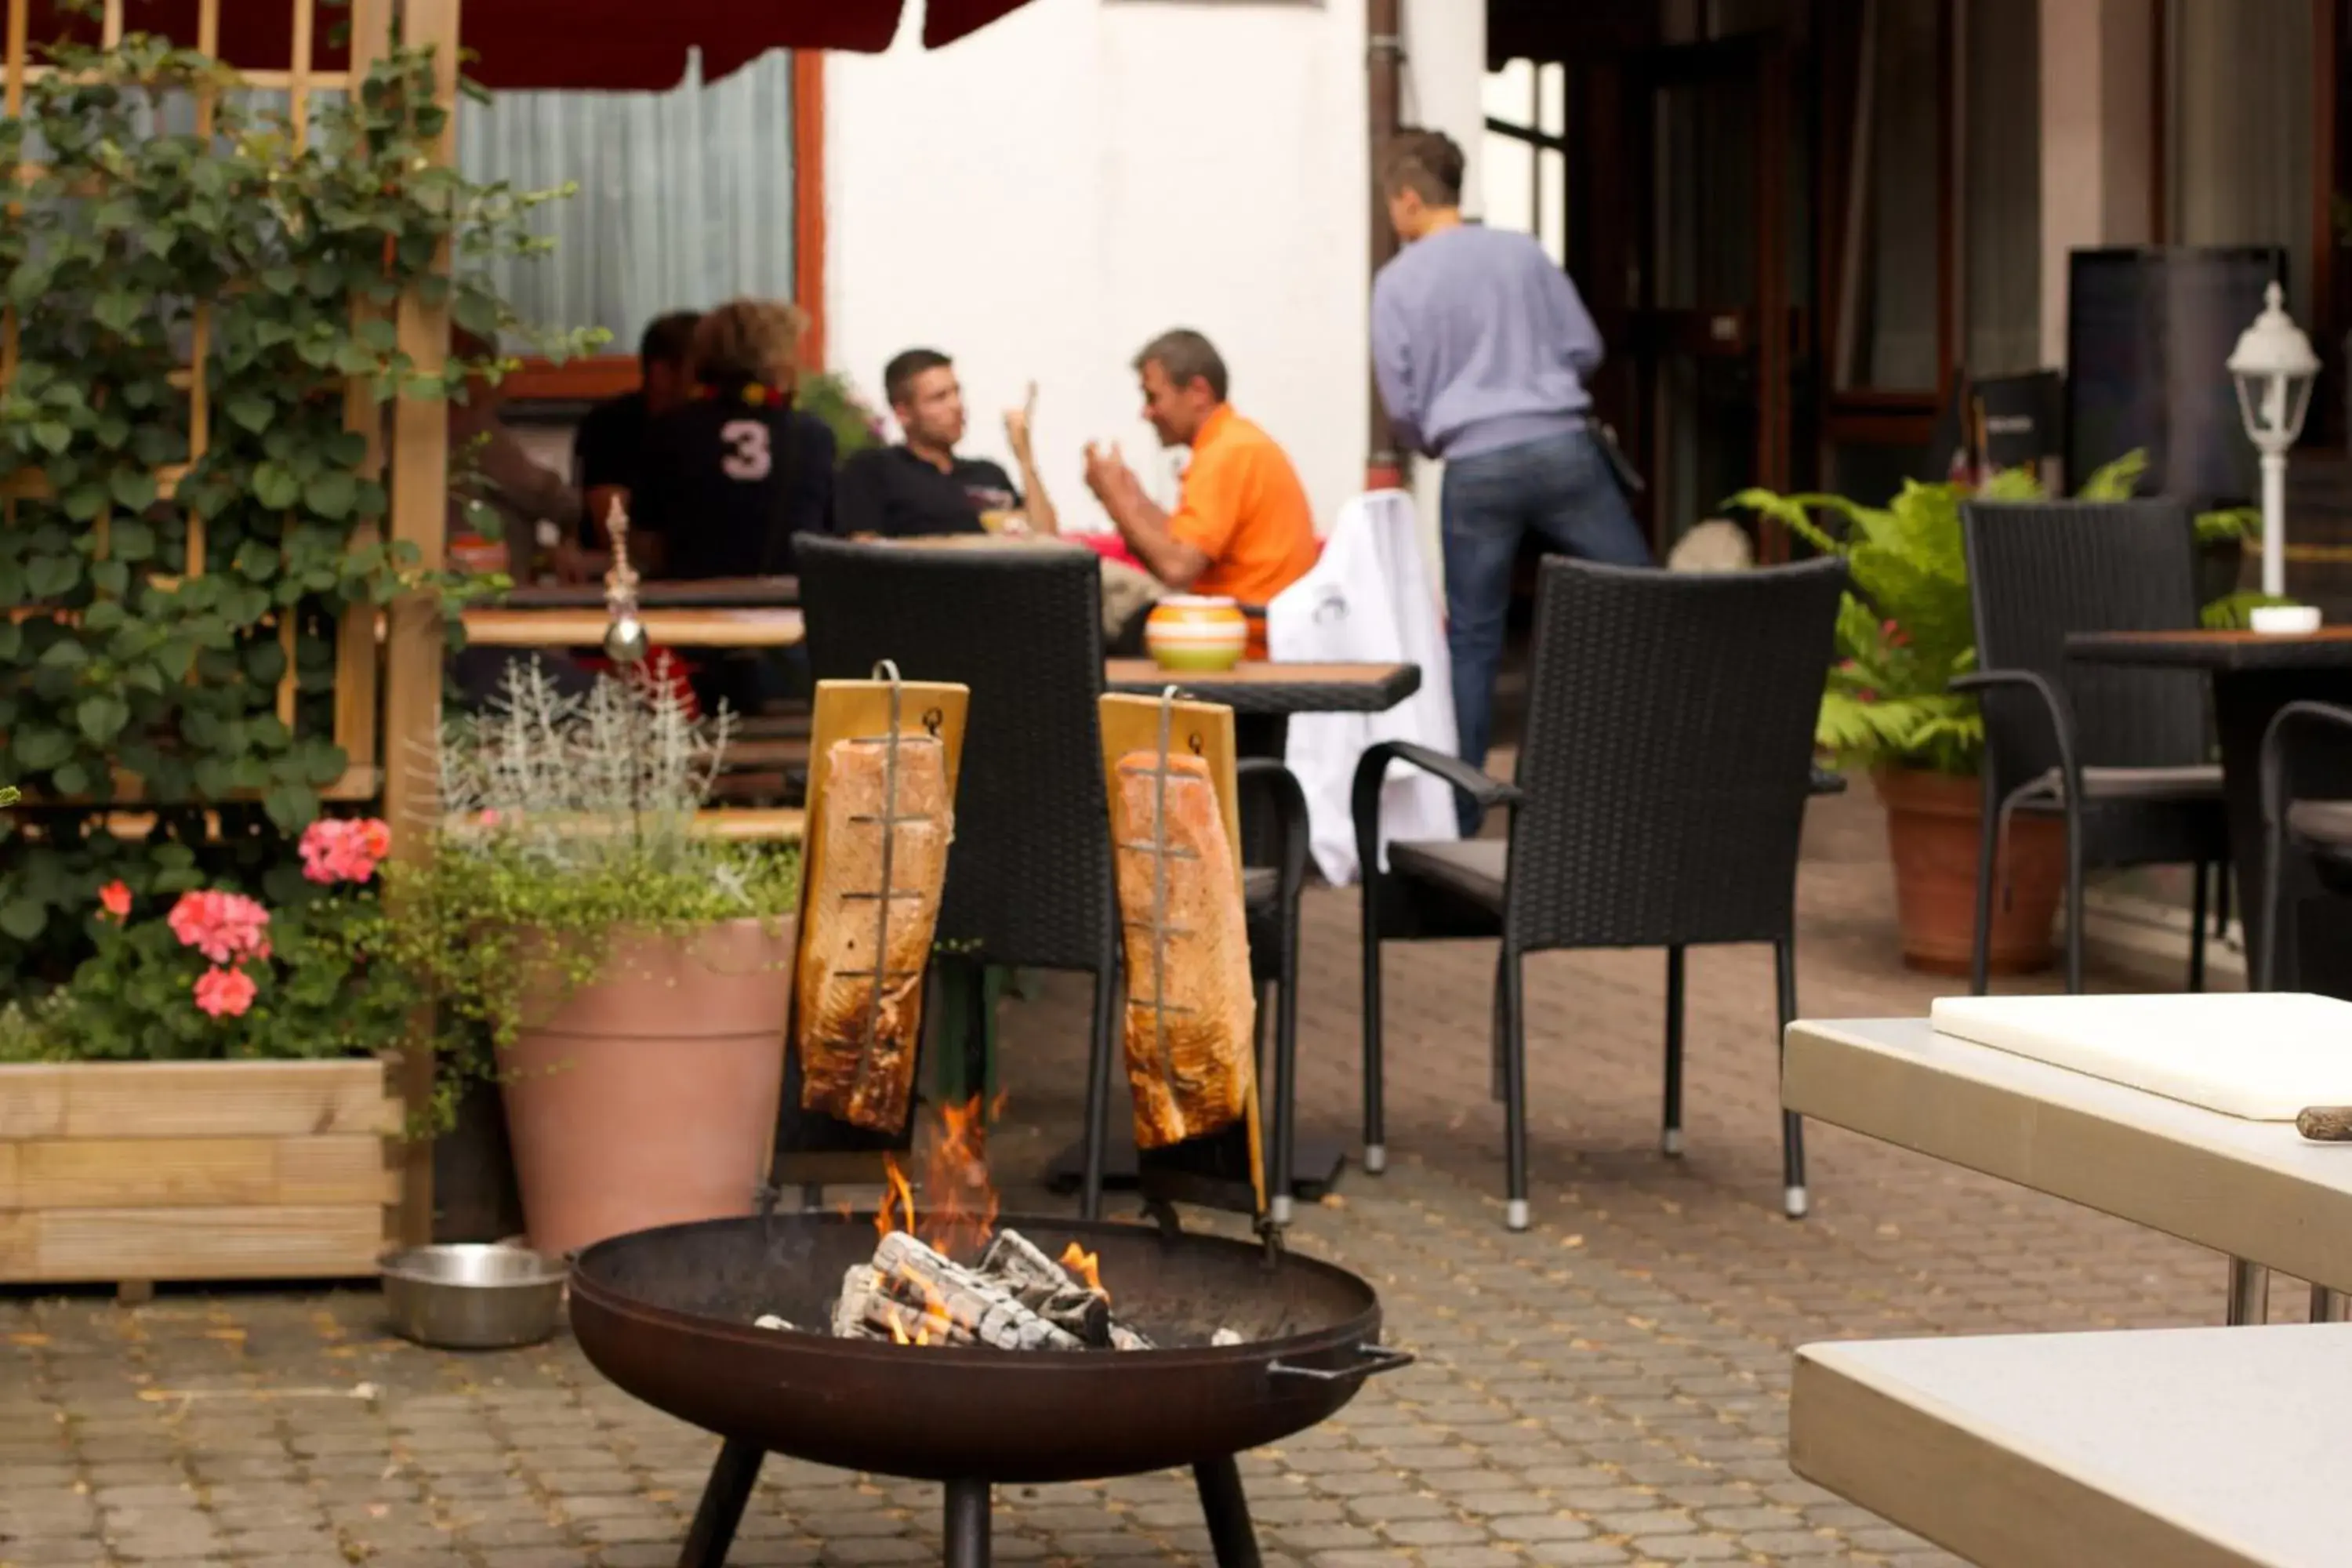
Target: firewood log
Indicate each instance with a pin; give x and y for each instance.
(859, 1285)
(1046, 1287)
(964, 1300)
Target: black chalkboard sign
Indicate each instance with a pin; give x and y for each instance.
(2148, 332)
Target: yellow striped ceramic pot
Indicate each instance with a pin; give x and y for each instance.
(1188, 631)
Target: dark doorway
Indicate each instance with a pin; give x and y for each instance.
(1687, 169)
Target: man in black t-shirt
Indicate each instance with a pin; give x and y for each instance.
(734, 472)
(608, 450)
(922, 487)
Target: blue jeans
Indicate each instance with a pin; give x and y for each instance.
(1562, 489)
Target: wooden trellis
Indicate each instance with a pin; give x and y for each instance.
(415, 461)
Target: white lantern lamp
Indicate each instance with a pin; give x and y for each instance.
(2275, 369)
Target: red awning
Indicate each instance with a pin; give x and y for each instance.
(618, 45)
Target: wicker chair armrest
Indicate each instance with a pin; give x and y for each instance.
(2054, 706)
(1372, 769)
(2293, 716)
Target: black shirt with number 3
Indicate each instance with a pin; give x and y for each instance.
(729, 479)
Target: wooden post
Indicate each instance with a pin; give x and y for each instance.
(420, 473)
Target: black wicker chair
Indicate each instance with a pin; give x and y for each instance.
(1029, 878)
(1659, 803)
(2124, 756)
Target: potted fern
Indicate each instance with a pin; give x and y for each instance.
(629, 973)
(1903, 635)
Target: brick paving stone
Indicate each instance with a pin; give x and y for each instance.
(1609, 1388)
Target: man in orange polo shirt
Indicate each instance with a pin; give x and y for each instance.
(1242, 528)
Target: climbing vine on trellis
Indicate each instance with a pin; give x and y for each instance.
(194, 279)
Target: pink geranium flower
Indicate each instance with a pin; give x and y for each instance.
(224, 927)
(224, 992)
(115, 900)
(344, 850)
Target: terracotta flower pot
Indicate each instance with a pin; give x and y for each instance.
(1933, 821)
(649, 1097)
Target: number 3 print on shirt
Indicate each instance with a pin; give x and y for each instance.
(747, 457)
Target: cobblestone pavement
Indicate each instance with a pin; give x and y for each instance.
(1607, 1389)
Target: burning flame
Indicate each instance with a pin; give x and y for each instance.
(958, 1212)
(1086, 1266)
(959, 1200)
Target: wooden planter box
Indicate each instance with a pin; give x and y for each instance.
(134, 1172)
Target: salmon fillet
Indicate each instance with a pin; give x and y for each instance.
(1192, 1010)
(869, 1082)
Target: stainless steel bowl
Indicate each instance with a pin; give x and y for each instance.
(473, 1296)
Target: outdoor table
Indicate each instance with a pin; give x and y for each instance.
(1264, 697)
(504, 627)
(1260, 689)
(713, 593)
(2257, 1192)
(2254, 674)
(2159, 1449)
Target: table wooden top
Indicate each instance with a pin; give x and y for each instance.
(2223, 651)
(2159, 1449)
(502, 626)
(710, 593)
(2254, 1190)
(1264, 687)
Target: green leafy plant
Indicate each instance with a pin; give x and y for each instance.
(220, 976)
(2242, 525)
(159, 643)
(1903, 631)
(855, 424)
(570, 821)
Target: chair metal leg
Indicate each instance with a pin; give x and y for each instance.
(1793, 1199)
(978, 1041)
(2074, 900)
(1376, 1154)
(1988, 847)
(1514, 1089)
(2273, 907)
(2250, 1294)
(1285, 1069)
(1671, 1140)
(2221, 901)
(1098, 1075)
(2197, 929)
(1498, 1032)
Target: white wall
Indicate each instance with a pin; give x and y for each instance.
(1041, 199)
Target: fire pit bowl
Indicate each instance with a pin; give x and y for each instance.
(667, 1315)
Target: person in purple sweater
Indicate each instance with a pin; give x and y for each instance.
(1481, 347)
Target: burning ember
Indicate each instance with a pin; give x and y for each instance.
(1085, 1265)
(946, 1275)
